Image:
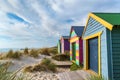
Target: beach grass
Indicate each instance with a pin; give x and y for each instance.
(53, 50)
(26, 51)
(74, 67)
(45, 51)
(34, 53)
(61, 57)
(29, 52)
(5, 75)
(95, 77)
(48, 51)
(14, 55)
(45, 65)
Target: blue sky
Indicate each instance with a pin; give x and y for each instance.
(40, 23)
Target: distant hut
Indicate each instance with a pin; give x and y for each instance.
(65, 44)
(76, 44)
(102, 45)
(59, 46)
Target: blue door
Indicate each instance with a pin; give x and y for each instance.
(93, 54)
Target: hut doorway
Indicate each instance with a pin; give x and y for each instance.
(93, 54)
(74, 51)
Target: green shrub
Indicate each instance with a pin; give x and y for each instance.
(26, 51)
(95, 77)
(34, 53)
(74, 66)
(61, 57)
(4, 75)
(45, 65)
(45, 51)
(15, 55)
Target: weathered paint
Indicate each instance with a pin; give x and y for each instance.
(74, 38)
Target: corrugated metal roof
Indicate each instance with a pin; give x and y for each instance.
(78, 30)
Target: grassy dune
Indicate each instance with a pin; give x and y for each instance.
(29, 52)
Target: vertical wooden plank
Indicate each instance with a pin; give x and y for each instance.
(81, 50)
(99, 55)
(86, 54)
(116, 52)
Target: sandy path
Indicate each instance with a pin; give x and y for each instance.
(24, 61)
(27, 60)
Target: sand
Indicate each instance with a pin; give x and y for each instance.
(26, 61)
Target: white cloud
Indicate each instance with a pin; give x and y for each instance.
(47, 19)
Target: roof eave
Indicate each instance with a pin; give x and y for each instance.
(102, 21)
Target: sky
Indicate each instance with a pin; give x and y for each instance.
(40, 23)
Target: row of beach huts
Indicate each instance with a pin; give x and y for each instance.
(95, 45)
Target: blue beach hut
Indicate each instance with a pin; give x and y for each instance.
(101, 42)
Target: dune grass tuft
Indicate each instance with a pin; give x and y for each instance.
(26, 51)
(48, 51)
(14, 55)
(53, 50)
(5, 75)
(34, 53)
(45, 65)
(45, 51)
(61, 57)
